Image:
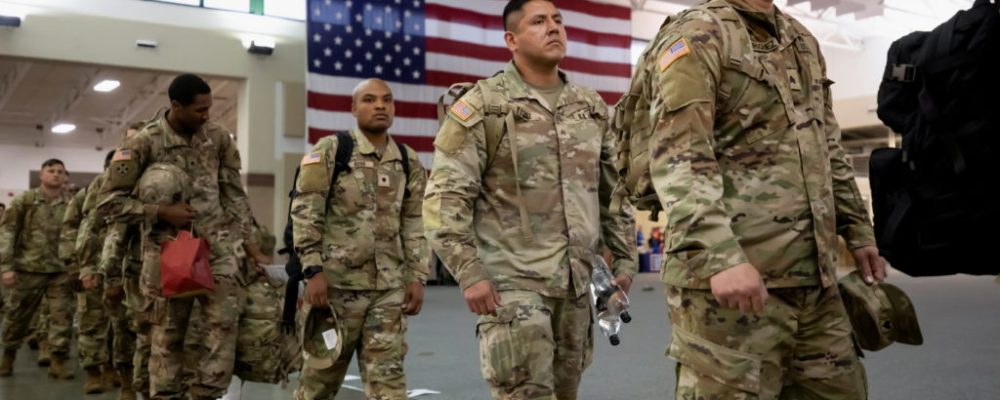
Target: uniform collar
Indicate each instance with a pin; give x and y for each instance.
(367, 148)
(518, 89)
(173, 139)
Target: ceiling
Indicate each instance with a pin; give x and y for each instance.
(35, 95)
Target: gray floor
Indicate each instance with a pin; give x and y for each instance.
(960, 360)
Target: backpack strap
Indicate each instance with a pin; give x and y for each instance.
(24, 216)
(406, 167)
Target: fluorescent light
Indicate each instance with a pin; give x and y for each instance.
(63, 128)
(107, 85)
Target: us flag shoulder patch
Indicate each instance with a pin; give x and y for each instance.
(675, 52)
(122, 155)
(312, 158)
(462, 110)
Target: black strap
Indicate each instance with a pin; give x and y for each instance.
(406, 167)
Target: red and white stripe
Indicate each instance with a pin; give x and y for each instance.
(464, 44)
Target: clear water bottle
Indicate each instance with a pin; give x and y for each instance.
(610, 301)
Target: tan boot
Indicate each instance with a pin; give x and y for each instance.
(110, 377)
(126, 392)
(7, 363)
(44, 357)
(92, 384)
(60, 367)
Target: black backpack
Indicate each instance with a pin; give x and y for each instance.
(933, 199)
(342, 164)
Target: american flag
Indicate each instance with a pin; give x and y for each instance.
(421, 47)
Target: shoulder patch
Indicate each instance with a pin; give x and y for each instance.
(312, 158)
(677, 50)
(462, 110)
(122, 155)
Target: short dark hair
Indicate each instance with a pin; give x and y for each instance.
(107, 158)
(53, 161)
(513, 6)
(185, 87)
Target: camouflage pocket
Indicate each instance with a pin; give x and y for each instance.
(501, 360)
(724, 365)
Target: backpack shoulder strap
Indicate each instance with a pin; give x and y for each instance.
(342, 159)
(405, 156)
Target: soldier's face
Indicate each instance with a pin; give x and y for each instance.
(192, 116)
(373, 107)
(53, 176)
(539, 35)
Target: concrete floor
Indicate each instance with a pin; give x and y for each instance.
(960, 359)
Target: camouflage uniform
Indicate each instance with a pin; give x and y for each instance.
(122, 256)
(211, 160)
(746, 160)
(527, 209)
(81, 244)
(40, 272)
(367, 235)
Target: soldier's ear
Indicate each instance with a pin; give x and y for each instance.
(354, 108)
(511, 40)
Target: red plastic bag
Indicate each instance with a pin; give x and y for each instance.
(184, 267)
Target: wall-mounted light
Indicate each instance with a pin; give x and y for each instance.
(12, 21)
(107, 85)
(259, 45)
(63, 128)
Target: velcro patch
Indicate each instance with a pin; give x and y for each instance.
(675, 52)
(122, 155)
(462, 110)
(312, 158)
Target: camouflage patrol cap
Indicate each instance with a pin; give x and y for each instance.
(313, 322)
(164, 184)
(880, 313)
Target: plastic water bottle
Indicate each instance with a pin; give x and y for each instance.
(610, 301)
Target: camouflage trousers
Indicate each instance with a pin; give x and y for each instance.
(138, 313)
(124, 337)
(375, 329)
(25, 301)
(799, 348)
(536, 347)
(220, 312)
(92, 339)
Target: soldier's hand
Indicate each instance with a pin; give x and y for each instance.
(872, 266)
(482, 298)
(90, 281)
(316, 290)
(179, 214)
(624, 282)
(740, 287)
(413, 298)
(114, 294)
(9, 279)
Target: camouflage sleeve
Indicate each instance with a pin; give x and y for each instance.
(123, 174)
(8, 233)
(231, 192)
(412, 223)
(453, 187)
(309, 205)
(89, 239)
(70, 226)
(113, 254)
(617, 227)
(683, 167)
(853, 221)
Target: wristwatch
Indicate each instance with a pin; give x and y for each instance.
(310, 272)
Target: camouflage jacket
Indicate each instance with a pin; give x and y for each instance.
(365, 232)
(30, 233)
(71, 227)
(211, 160)
(89, 242)
(747, 159)
(526, 207)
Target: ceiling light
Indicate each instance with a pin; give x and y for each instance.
(63, 129)
(107, 85)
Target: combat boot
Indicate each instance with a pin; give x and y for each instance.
(93, 383)
(110, 377)
(33, 342)
(60, 367)
(126, 393)
(44, 356)
(7, 363)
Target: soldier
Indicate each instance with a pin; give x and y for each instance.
(517, 209)
(32, 270)
(745, 159)
(362, 247)
(218, 211)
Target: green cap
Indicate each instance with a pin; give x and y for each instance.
(880, 314)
